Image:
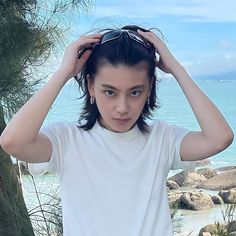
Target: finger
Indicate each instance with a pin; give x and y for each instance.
(86, 55)
(85, 41)
(84, 51)
(150, 36)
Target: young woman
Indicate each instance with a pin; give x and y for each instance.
(113, 165)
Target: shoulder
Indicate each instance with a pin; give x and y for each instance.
(61, 127)
(159, 124)
(162, 127)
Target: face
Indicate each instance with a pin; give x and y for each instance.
(120, 93)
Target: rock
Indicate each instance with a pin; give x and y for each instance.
(172, 184)
(232, 226)
(228, 196)
(223, 181)
(207, 172)
(217, 199)
(207, 229)
(232, 234)
(226, 168)
(196, 201)
(206, 234)
(174, 199)
(188, 178)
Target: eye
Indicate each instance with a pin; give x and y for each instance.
(135, 93)
(109, 93)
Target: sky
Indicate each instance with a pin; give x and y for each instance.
(200, 33)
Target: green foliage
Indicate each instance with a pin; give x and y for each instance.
(14, 220)
(22, 45)
(46, 217)
(228, 214)
(30, 29)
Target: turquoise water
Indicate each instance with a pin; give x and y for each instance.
(174, 108)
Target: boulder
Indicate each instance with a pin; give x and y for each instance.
(196, 201)
(207, 172)
(223, 181)
(217, 200)
(174, 199)
(172, 184)
(206, 234)
(232, 226)
(210, 229)
(228, 196)
(225, 168)
(188, 178)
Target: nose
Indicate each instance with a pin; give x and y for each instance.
(122, 105)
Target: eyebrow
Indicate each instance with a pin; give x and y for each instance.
(113, 88)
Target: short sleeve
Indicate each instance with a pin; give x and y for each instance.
(175, 137)
(56, 133)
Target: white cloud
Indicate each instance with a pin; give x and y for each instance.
(226, 44)
(199, 10)
(215, 65)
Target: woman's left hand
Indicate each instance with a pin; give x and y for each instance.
(167, 61)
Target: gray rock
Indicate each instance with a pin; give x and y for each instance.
(228, 196)
(206, 234)
(223, 181)
(232, 226)
(196, 201)
(188, 178)
(172, 184)
(207, 172)
(174, 199)
(207, 229)
(217, 200)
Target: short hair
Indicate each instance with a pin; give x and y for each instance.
(121, 51)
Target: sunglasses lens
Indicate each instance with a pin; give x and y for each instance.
(115, 34)
(110, 36)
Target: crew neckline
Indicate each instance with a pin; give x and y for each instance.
(124, 136)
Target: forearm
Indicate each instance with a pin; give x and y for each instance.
(212, 123)
(25, 125)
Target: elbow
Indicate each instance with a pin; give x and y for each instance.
(226, 140)
(8, 144)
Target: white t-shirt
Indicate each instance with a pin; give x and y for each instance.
(114, 184)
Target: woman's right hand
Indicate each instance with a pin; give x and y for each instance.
(71, 65)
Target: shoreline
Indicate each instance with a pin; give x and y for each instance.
(191, 220)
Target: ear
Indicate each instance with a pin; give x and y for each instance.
(90, 84)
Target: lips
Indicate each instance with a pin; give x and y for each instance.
(121, 121)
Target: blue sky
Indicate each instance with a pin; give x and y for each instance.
(200, 33)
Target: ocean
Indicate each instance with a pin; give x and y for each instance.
(174, 108)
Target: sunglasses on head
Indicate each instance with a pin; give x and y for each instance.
(115, 34)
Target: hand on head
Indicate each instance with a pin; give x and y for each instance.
(71, 65)
(167, 62)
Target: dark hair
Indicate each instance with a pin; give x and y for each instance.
(123, 51)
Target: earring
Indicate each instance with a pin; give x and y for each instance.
(148, 101)
(92, 100)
